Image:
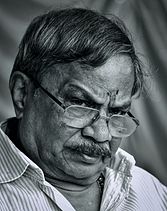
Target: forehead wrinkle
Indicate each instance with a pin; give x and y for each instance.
(112, 96)
(89, 73)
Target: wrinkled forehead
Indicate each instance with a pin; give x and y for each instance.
(115, 77)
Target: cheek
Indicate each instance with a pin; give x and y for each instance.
(54, 134)
(48, 117)
(46, 125)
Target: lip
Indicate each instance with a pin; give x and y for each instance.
(89, 159)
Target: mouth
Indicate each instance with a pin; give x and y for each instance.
(89, 154)
(89, 159)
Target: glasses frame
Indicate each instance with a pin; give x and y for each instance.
(61, 104)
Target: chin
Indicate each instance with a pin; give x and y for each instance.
(85, 179)
(86, 174)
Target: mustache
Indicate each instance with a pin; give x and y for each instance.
(91, 148)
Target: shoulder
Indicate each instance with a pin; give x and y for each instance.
(148, 189)
(145, 193)
(143, 177)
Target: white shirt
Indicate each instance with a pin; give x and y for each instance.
(23, 186)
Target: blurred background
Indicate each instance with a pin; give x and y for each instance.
(147, 22)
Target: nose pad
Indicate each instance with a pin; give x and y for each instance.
(98, 130)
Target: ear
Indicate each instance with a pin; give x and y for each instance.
(19, 86)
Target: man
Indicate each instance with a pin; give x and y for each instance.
(72, 85)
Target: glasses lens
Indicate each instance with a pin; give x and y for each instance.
(121, 126)
(78, 116)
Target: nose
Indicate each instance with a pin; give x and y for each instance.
(98, 130)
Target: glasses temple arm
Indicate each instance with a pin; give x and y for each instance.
(134, 119)
(37, 84)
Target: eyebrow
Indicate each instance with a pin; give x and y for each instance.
(86, 93)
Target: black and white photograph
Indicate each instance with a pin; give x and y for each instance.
(83, 105)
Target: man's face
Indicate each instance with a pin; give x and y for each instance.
(50, 142)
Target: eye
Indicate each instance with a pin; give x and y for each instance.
(77, 101)
(116, 111)
(122, 113)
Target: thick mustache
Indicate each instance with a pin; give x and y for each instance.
(91, 149)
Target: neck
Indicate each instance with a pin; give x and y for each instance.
(70, 186)
(81, 197)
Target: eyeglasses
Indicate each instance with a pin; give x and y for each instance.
(79, 117)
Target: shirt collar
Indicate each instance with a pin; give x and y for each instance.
(13, 163)
(117, 180)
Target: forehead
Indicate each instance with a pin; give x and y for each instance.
(116, 75)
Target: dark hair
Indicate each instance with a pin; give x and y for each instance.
(79, 35)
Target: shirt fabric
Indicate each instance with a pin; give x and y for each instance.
(23, 186)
